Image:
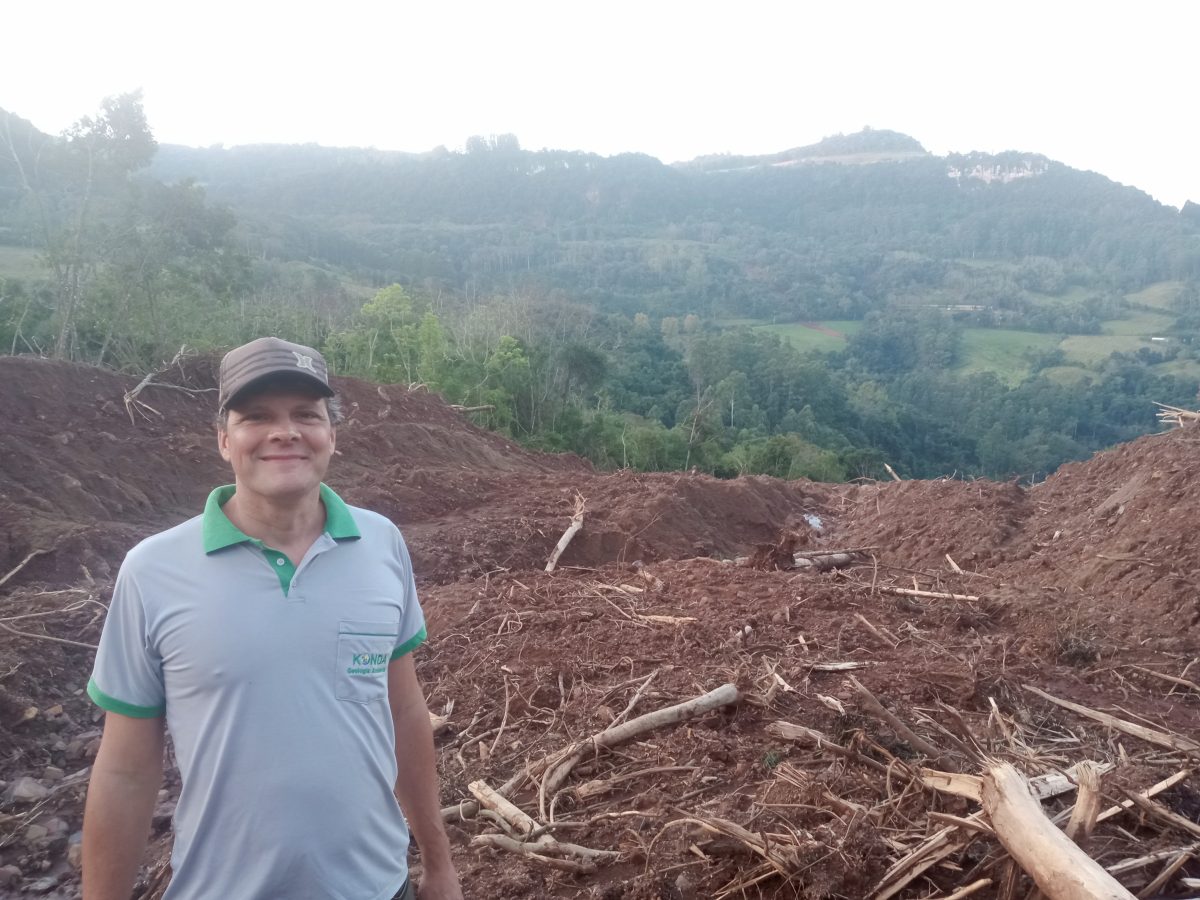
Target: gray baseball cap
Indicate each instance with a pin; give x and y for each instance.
(251, 363)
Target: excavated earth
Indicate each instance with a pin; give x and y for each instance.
(1085, 587)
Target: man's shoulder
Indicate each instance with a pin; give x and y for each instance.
(370, 519)
(372, 523)
(183, 540)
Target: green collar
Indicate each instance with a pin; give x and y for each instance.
(220, 533)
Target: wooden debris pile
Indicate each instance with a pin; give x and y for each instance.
(846, 796)
(1174, 416)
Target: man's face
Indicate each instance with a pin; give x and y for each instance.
(279, 443)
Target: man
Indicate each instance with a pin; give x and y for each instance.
(273, 637)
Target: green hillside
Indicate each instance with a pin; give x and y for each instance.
(813, 312)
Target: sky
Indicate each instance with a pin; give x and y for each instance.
(1104, 86)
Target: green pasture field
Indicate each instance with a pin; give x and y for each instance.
(1182, 368)
(1068, 375)
(1158, 296)
(21, 262)
(804, 338)
(1006, 352)
(1090, 350)
(1002, 350)
(1139, 324)
(1073, 294)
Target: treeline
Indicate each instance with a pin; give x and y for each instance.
(130, 267)
(628, 233)
(576, 301)
(675, 393)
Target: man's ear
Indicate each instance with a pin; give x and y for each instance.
(223, 443)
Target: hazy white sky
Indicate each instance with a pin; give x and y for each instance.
(1107, 86)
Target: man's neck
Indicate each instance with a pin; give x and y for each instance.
(289, 526)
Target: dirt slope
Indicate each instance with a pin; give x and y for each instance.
(1086, 587)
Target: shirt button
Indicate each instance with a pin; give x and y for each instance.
(279, 562)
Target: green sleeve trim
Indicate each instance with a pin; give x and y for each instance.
(112, 704)
(411, 644)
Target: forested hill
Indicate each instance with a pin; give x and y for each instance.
(835, 229)
(815, 311)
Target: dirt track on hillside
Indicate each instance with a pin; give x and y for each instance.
(1086, 586)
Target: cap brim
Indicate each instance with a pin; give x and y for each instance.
(272, 380)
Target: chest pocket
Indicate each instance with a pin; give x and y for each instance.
(363, 652)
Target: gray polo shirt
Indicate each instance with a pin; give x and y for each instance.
(273, 681)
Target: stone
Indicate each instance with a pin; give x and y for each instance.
(43, 885)
(685, 886)
(57, 826)
(9, 875)
(36, 833)
(75, 851)
(27, 790)
(53, 774)
(164, 813)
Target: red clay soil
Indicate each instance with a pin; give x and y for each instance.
(1086, 587)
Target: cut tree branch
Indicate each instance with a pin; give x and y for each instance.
(1059, 868)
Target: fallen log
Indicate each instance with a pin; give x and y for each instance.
(543, 845)
(932, 595)
(826, 562)
(487, 798)
(898, 725)
(1153, 790)
(1162, 814)
(884, 639)
(1150, 735)
(572, 530)
(1061, 870)
(1182, 682)
(575, 867)
(22, 565)
(558, 767)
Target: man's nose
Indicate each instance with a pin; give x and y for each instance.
(285, 431)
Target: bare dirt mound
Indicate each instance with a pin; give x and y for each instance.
(82, 480)
(1120, 534)
(1082, 588)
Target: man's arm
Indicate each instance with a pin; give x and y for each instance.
(120, 802)
(416, 783)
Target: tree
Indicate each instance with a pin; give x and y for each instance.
(173, 269)
(383, 340)
(75, 183)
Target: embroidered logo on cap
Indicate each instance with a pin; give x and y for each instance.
(304, 362)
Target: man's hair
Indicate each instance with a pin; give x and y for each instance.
(333, 406)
